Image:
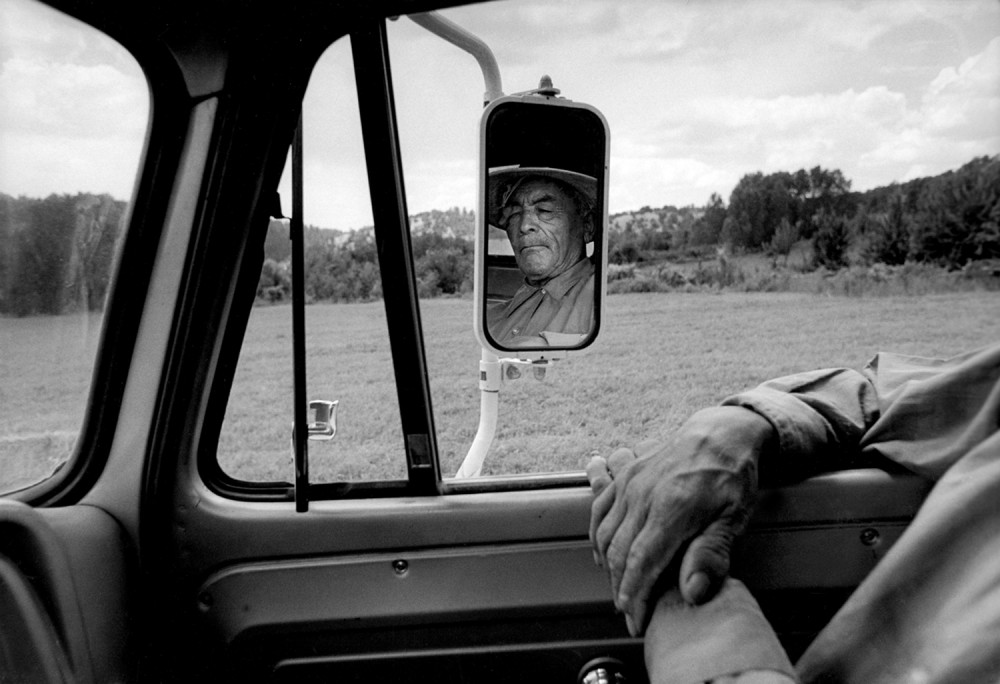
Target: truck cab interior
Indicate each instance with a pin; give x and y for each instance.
(147, 557)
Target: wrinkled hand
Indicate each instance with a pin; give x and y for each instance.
(689, 498)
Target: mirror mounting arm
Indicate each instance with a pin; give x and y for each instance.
(494, 373)
(475, 46)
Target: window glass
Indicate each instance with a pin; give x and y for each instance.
(348, 359)
(785, 188)
(67, 169)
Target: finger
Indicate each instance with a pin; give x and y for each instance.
(599, 509)
(620, 459)
(607, 509)
(652, 552)
(607, 513)
(706, 562)
(598, 474)
(620, 549)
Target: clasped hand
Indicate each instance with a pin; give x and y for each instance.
(684, 501)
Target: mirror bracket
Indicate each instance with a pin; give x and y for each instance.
(545, 89)
(515, 369)
(494, 373)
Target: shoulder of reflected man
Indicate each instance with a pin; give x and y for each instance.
(524, 341)
(560, 339)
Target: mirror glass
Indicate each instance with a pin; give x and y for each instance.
(543, 220)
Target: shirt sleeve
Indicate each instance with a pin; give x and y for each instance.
(819, 417)
(932, 412)
(920, 413)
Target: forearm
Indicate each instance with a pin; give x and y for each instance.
(725, 640)
(818, 418)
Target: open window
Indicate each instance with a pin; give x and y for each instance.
(66, 178)
(739, 250)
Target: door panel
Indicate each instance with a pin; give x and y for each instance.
(70, 566)
(479, 583)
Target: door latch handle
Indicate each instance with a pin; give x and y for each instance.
(323, 425)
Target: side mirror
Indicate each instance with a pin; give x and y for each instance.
(541, 225)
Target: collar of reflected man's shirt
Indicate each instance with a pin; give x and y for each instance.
(558, 286)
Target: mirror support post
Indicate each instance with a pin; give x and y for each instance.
(489, 402)
(459, 37)
(494, 372)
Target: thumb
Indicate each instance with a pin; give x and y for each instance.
(706, 562)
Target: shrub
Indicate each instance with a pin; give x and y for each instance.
(445, 270)
(785, 238)
(830, 240)
(623, 250)
(886, 237)
(958, 215)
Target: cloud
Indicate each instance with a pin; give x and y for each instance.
(69, 99)
(39, 165)
(656, 181)
(73, 105)
(964, 102)
(875, 135)
(958, 117)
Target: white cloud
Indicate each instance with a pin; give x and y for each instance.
(39, 165)
(656, 181)
(957, 118)
(697, 94)
(875, 135)
(965, 101)
(70, 99)
(73, 106)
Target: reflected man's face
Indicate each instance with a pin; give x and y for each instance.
(545, 229)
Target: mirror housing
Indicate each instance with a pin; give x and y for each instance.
(541, 224)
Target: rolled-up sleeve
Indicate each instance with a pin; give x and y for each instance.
(920, 413)
(932, 411)
(820, 418)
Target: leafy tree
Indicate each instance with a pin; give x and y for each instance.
(275, 283)
(95, 236)
(830, 240)
(785, 238)
(958, 215)
(446, 270)
(623, 247)
(42, 250)
(887, 236)
(708, 228)
(756, 207)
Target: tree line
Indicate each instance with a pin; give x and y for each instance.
(949, 220)
(56, 253)
(343, 267)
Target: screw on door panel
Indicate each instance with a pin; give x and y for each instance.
(870, 536)
(400, 567)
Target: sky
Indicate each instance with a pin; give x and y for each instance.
(696, 94)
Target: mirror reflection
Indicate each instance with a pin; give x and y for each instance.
(547, 216)
(544, 200)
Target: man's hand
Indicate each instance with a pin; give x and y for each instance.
(687, 499)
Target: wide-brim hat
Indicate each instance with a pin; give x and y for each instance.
(504, 180)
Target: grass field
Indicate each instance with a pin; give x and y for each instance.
(659, 358)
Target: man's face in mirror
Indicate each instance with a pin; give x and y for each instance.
(545, 228)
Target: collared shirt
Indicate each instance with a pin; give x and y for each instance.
(561, 306)
(930, 610)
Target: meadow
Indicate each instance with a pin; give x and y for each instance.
(660, 357)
